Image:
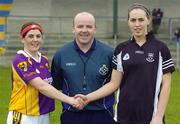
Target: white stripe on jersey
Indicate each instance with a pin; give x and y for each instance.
(114, 59)
(168, 63)
(116, 106)
(119, 64)
(158, 83)
(168, 66)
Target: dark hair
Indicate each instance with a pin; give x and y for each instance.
(140, 6)
(27, 24)
(178, 29)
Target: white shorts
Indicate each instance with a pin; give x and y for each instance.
(18, 118)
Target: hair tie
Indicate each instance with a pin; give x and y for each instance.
(28, 28)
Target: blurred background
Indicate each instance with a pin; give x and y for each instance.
(56, 17)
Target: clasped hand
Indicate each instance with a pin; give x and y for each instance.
(79, 101)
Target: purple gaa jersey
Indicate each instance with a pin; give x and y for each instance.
(25, 98)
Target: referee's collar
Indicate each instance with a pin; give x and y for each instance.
(92, 48)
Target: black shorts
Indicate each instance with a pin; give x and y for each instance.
(88, 117)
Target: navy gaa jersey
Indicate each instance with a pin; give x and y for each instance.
(75, 73)
(142, 69)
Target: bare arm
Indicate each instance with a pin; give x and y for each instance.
(108, 88)
(163, 99)
(48, 90)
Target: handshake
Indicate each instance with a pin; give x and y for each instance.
(79, 101)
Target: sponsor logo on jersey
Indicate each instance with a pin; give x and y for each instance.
(150, 57)
(29, 74)
(139, 52)
(103, 70)
(126, 56)
(71, 64)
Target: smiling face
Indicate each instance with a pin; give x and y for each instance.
(138, 22)
(32, 41)
(84, 28)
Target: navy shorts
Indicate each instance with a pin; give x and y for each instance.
(88, 117)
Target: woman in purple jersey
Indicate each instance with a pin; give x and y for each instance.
(142, 68)
(32, 97)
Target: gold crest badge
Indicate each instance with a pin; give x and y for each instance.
(22, 66)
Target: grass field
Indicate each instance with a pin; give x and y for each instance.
(172, 113)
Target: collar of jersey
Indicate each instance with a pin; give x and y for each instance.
(88, 52)
(150, 35)
(27, 54)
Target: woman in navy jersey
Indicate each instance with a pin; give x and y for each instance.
(142, 68)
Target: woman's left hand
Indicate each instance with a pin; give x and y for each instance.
(156, 120)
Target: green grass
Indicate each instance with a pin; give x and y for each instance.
(5, 88)
(173, 109)
(172, 113)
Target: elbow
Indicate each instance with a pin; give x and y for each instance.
(40, 85)
(42, 88)
(114, 85)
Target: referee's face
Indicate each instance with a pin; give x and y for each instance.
(138, 22)
(84, 28)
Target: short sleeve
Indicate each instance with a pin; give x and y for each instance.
(167, 64)
(24, 69)
(116, 60)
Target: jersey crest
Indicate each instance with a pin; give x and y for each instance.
(150, 57)
(126, 56)
(103, 70)
(22, 66)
